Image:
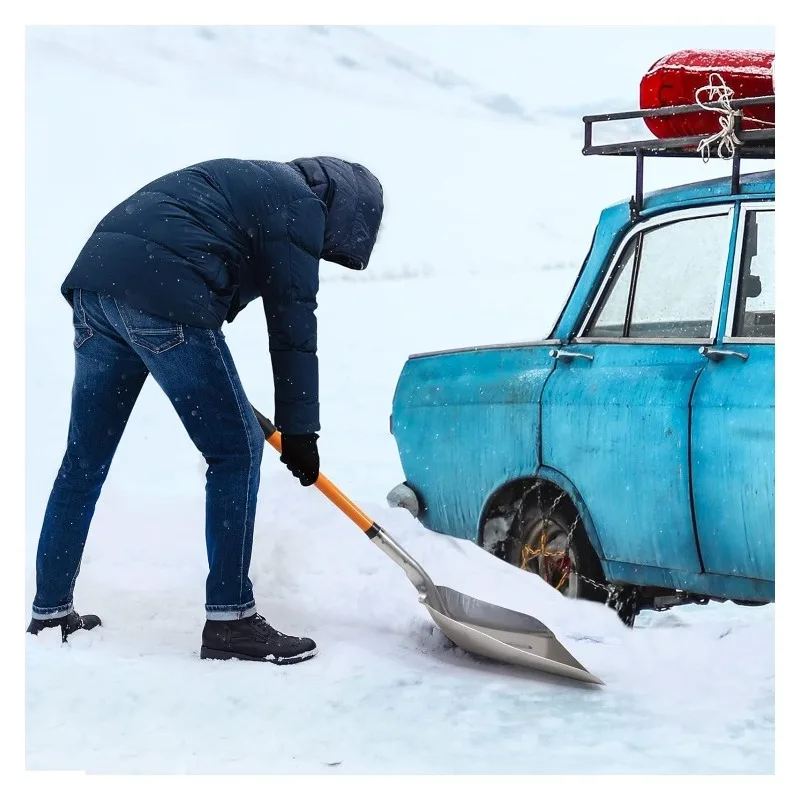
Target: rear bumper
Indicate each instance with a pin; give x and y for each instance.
(403, 496)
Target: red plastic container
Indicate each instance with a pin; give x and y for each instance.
(674, 79)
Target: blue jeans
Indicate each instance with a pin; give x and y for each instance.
(116, 347)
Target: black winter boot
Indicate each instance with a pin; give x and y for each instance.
(69, 624)
(253, 639)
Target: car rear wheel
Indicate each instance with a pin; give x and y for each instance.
(543, 545)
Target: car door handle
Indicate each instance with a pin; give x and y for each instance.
(567, 355)
(717, 355)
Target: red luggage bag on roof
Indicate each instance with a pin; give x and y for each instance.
(675, 79)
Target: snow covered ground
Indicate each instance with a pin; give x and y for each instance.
(489, 210)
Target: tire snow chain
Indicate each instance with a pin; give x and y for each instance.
(613, 593)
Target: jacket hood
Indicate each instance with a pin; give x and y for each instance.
(354, 199)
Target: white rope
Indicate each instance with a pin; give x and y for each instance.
(719, 92)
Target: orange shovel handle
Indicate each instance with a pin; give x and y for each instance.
(336, 496)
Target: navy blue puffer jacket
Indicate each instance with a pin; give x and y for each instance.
(197, 245)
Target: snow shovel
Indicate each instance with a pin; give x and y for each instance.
(475, 626)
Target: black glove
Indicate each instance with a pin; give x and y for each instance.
(299, 453)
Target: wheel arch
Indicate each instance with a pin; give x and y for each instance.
(501, 508)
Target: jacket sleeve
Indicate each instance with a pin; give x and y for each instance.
(289, 285)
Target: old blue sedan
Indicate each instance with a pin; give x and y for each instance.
(629, 457)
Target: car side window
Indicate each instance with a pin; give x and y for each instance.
(754, 315)
(667, 282)
(610, 317)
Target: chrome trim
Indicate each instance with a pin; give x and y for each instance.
(642, 340)
(749, 340)
(476, 348)
(758, 205)
(657, 221)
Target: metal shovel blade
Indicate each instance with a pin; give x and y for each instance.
(483, 628)
(502, 634)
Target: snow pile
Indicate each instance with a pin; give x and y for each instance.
(387, 692)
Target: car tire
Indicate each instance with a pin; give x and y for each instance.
(537, 545)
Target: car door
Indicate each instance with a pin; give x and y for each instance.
(733, 414)
(615, 411)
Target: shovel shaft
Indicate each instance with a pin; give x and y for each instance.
(416, 574)
(337, 497)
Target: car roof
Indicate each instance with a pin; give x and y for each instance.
(751, 183)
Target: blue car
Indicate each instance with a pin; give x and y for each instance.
(628, 458)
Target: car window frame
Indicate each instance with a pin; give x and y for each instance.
(728, 337)
(659, 220)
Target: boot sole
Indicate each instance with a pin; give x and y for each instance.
(225, 655)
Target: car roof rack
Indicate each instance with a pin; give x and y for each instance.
(758, 143)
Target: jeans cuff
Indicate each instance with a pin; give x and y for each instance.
(51, 613)
(228, 613)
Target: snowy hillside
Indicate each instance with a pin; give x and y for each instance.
(490, 208)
